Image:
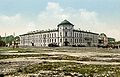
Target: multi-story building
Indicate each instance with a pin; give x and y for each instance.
(64, 35)
(102, 40)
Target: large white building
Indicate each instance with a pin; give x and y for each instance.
(63, 36)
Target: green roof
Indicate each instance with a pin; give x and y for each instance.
(111, 39)
(65, 22)
(103, 34)
(85, 32)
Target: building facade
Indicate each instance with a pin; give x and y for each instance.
(102, 40)
(64, 35)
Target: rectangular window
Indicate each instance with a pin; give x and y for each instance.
(44, 41)
(52, 34)
(41, 41)
(55, 34)
(75, 34)
(55, 40)
(48, 40)
(60, 34)
(71, 34)
(41, 36)
(52, 40)
(48, 35)
(60, 40)
(65, 34)
(75, 40)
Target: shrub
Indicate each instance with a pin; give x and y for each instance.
(2, 43)
(53, 45)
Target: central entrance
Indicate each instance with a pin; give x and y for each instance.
(66, 43)
(89, 43)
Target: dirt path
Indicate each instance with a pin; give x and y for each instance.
(39, 61)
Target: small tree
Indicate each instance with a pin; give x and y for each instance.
(17, 38)
(0, 38)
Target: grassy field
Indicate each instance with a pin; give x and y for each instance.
(59, 62)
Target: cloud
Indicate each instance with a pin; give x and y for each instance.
(82, 18)
(31, 26)
(53, 6)
(52, 16)
(8, 20)
(16, 23)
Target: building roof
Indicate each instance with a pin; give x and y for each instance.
(111, 39)
(85, 32)
(103, 34)
(39, 32)
(65, 22)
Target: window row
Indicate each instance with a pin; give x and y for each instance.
(83, 35)
(39, 41)
(41, 36)
(79, 41)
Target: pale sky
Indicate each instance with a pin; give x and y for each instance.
(22, 16)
